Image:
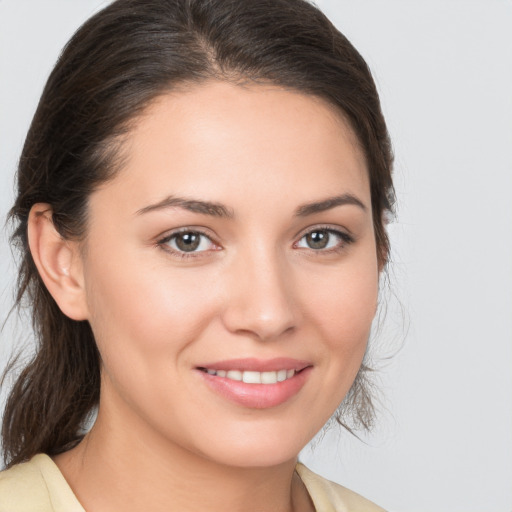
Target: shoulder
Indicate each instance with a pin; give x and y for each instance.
(328, 496)
(36, 486)
(22, 488)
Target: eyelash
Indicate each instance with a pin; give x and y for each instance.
(345, 239)
(164, 243)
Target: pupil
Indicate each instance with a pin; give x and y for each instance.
(188, 242)
(317, 239)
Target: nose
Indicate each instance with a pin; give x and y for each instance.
(261, 301)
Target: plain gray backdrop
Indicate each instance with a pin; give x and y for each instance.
(444, 70)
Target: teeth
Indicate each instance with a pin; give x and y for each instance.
(234, 375)
(281, 375)
(268, 377)
(251, 377)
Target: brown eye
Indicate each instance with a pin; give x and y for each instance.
(317, 239)
(321, 239)
(189, 241)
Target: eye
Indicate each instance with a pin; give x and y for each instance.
(323, 239)
(188, 242)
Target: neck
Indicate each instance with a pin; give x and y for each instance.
(132, 470)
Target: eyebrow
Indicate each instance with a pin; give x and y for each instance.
(192, 205)
(219, 210)
(327, 204)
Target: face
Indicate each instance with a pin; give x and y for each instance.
(231, 273)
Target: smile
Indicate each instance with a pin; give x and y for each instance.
(256, 383)
(252, 377)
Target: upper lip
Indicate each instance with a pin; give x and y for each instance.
(257, 365)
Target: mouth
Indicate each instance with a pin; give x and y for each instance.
(254, 383)
(253, 377)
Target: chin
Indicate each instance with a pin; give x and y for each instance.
(265, 448)
(255, 457)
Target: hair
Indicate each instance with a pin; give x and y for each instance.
(115, 65)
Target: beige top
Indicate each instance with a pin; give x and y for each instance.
(39, 486)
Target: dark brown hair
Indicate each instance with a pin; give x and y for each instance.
(114, 66)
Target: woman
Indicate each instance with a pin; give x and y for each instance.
(200, 211)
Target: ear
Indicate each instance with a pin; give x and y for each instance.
(58, 261)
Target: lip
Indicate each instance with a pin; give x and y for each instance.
(258, 365)
(256, 396)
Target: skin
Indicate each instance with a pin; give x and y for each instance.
(255, 288)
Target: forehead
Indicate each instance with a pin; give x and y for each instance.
(232, 143)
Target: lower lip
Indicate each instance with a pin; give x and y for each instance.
(257, 396)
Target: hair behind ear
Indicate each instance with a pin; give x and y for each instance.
(55, 392)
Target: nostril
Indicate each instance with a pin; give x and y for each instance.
(258, 300)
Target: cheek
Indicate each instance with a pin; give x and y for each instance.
(147, 312)
(342, 308)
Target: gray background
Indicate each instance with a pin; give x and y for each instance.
(444, 70)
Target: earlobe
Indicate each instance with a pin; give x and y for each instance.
(58, 262)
